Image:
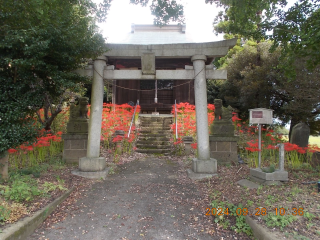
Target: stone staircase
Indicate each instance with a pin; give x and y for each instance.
(154, 134)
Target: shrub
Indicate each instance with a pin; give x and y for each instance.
(22, 189)
(4, 214)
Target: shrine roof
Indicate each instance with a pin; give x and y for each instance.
(150, 34)
(171, 41)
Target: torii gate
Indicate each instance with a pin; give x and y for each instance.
(198, 53)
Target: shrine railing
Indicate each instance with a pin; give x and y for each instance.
(134, 113)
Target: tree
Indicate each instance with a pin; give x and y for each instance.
(251, 73)
(41, 43)
(256, 80)
(295, 29)
(164, 11)
(303, 94)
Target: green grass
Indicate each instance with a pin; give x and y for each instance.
(314, 140)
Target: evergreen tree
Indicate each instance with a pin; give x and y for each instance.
(41, 43)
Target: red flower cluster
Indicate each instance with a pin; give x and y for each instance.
(117, 117)
(194, 145)
(117, 138)
(288, 147)
(178, 141)
(235, 117)
(45, 140)
(187, 120)
(253, 146)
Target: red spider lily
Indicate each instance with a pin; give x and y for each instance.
(194, 145)
(211, 107)
(11, 150)
(252, 144)
(272, 147)
(301, 150)
(57, 139)
(118, 138)
(187, 118)
(29, 148)
(252, 149)
(313, 148)
(290, 147)
(42, 143)
(235, 117)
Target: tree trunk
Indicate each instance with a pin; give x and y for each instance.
(49, 121)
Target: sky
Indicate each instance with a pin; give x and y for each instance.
(199, 18)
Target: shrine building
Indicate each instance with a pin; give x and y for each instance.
(156, 66)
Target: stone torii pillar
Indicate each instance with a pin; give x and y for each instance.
(93, 166)
(203, 166)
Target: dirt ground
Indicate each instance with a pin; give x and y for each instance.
(298, 197)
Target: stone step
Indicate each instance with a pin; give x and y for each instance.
(154, 124)
(155, 134)
(159, 137)
(151, 123)
(155, 131)
(151, 146)
(166, 129)
(168, 122)
(154, 141)
(147, 128)
(150, 151)
(156, 118)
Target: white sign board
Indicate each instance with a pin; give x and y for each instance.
(260, 116)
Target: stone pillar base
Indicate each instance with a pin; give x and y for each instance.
(264, 178)
(92, 164)
(224, 149)
(92, 175)
(198, 176)
(74, 147)
(204, 166)
(277, 175)
(202, 169)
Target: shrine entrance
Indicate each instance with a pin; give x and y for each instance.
(163, 92)
(197, 69)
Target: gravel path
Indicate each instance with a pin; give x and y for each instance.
(145, 199)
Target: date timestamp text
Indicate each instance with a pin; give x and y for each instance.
(258, 211)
